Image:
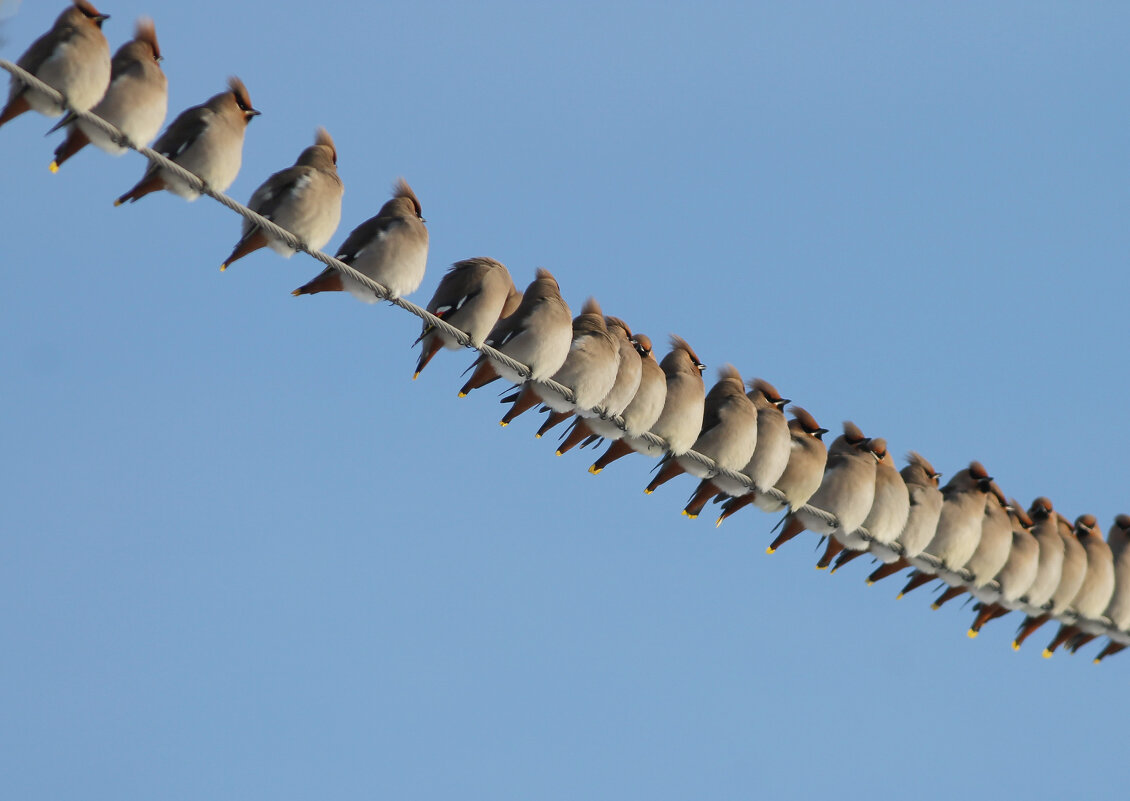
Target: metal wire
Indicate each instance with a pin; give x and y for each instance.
(277, 232)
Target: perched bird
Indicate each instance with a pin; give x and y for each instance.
(1017, 575)
(72, 58)
(769, 458)
(991, 554)
(538, 334)
(1118, 610)
(589, 369)
(1096, 590)
(641, 412)
(681, 417)
(206, 140)
(304, 199)
(921, 481)
(136, 101)
(807, 458)
(472, 296)
(846, 490)
(886, 518)
(959, 528)
(624, 386)
(1049, 565)
(728, 435)
(1070, 579)
(391, 249)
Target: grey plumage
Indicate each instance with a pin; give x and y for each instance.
(390, 248)
(73, 57)
(304, 199)
(206, 140)
(135, 102)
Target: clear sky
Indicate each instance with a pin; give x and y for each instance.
(244, 556)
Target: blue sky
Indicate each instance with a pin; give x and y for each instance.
(246, 557)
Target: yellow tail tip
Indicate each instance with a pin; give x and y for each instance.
(935, 606)
(558, 453)
(537, 436)
(833, 570)
(1096, 661)
(117, 202)
(718, 522)
(691, 517)
(1046, 654)
(898, 597)
(869, 582)
(503, 423)
(594, 469)
(770, 550)
(1015, 645)
(971, 634)
(54, 167)
(224, 267)
(462, 394)
(415, 375)
(684, 513)
(646, 491)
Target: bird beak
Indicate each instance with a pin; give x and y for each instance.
(100, 18)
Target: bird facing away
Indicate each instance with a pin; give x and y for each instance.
(846, 490)
(73, 58)
(206, 140)
(1070, 579)
(589, 369)
(680, 420)
(808, 456)
(624, 385)
(1017, 575)
(304, 199)
(136, 101)
(639, 415)
(391, 249)
(770, 456)
(921, 481)
(472, 296)
(538, 334)
(1095, 591)
(886, 518)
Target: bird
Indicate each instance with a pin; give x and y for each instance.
(991, 554)
(679, 421)
(769, 458)
(304, 199)
(1049, 564)
(1017, 575)
(846, 490)
(1094, 593)
(206, 140)
(886, 518)
(391, 249)
(73, 58)
(472, 296)
(728, 435)
(135, 102)
(538, 334)
(639, 415)
(808, 455)
(1070, 580)
(921, 481)
(589, 369)
(623, 389)
(958, 531)
(1118, 610)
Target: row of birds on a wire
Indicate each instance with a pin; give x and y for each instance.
(968, 533)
